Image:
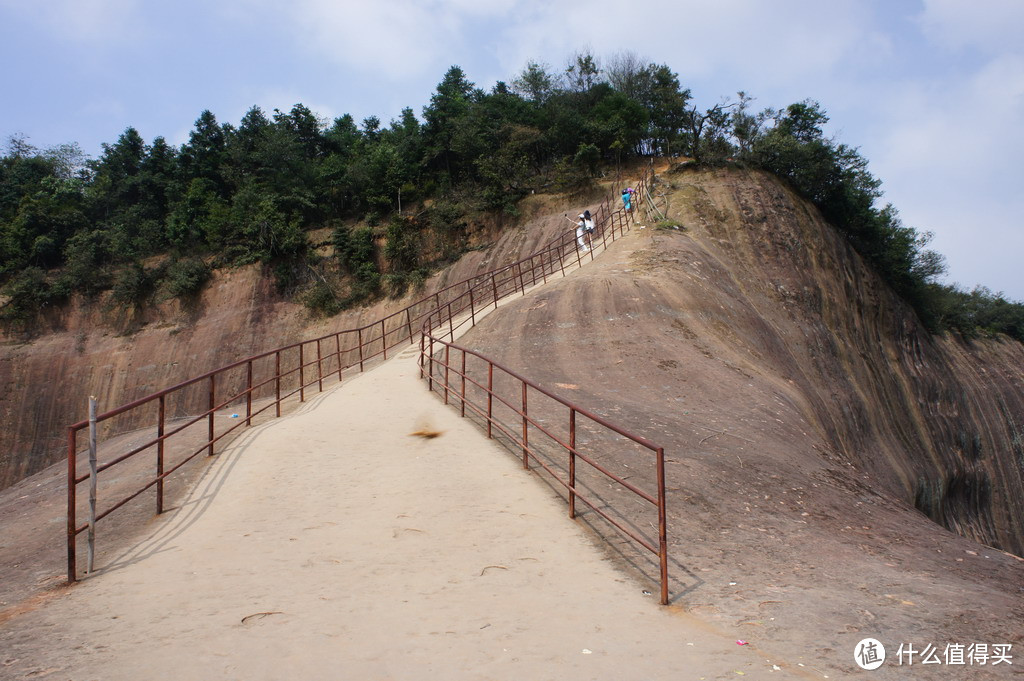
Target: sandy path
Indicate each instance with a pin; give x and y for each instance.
(332, 545)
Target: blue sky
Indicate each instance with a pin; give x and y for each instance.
(931, 91)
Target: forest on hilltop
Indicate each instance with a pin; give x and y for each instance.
(146, 222)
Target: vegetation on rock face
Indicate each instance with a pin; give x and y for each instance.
(233, 195)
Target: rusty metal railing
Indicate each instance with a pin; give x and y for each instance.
(513, 395)
(277, 375)
(448, 373)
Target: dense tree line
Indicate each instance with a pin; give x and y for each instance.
(146, 220)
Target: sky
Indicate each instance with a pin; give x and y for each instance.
(930, 91)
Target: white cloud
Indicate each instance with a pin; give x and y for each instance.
(399, 40)
(768, 42)
(987, 25)
(82, 21)
(949, 159)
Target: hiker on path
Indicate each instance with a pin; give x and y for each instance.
(583, 228)
(627, 198)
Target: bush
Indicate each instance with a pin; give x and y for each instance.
(185, 278)
(132, 285)
(27, 293)
(400, 247)
(978, 312)
(321, 301)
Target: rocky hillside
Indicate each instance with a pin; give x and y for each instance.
(120, 355)
(814, 430)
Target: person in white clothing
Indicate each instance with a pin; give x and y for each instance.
(584, 227)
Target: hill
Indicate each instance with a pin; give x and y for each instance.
(815, 430)
(825, 450)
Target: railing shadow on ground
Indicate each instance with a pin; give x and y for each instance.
(267, 381)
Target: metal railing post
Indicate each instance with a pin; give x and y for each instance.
(423, 341)
(408, 322)
(319, 367)
(463, 383)
(160, 457)
(572, 463)
(447, 364)
(213, 403)
(472, 308)
(72, 519)
(337, 347)
(383, 339)
(430, 368)
(526, 441)
(360, 339)
(277, 381)
(90, 556)
(662, 527)
(302, 373)
(248, 394)
(490, 397)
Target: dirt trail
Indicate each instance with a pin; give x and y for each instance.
(332, 544)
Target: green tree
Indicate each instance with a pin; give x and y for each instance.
(535, 84)
(448, 106)
(203, 155)
(583, 72)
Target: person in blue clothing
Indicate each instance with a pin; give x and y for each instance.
(627, 198)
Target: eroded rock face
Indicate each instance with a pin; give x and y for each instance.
(936, 420)
(123, 355)
(757, 328)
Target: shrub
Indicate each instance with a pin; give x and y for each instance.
(26, 294)
(321, 301)
(186, 277)
(132, 285)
